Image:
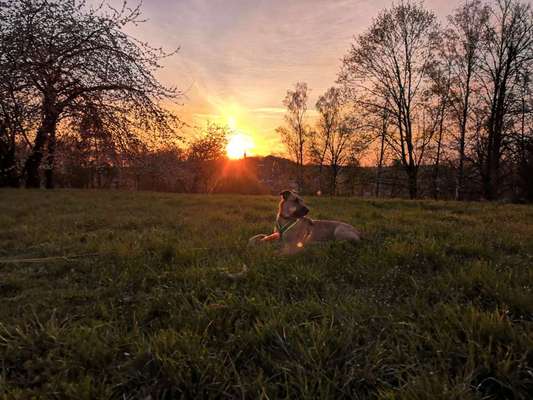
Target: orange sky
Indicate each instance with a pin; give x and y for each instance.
(239, 57)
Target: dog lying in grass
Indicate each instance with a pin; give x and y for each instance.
(296, 231)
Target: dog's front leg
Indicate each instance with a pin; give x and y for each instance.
(256, 240)
(262, 238)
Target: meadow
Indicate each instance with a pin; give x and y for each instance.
(109, 294)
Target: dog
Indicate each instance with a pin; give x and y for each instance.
(296, 231)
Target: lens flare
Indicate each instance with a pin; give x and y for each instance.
(239, 146)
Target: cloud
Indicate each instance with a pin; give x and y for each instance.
(241, 56)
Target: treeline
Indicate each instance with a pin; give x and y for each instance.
(80, 105)
(88, 159)
(437, 109)
(449, 103)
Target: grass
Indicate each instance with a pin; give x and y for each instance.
(436, 303)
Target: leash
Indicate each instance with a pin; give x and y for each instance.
(46, 259)
(73, 257)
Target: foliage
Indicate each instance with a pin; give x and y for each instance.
(74, 58)
(210, 144)
(205, 154)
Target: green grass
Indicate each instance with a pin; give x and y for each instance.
(436, 303)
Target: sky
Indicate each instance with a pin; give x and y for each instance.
(237, 58)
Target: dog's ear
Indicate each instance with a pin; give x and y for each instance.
(285, 194)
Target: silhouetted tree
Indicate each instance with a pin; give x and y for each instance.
(508, 50)
(11, 133)
(388, 66)
(204, 154)
(329, 110)
(523, 140)
(462, 50)
(296, 132)
(437, 109)
(73, 56)
(17, 109)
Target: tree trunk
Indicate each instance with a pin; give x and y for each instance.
(436, 171)
(459, 195)
(33, 180)
(487, 185)
(320, 172)
(300, 182)
(50, 160)
(459, 189)
(8, 169)
(492, 164)
(412, 183)
(335, 168)
(380, 162)
(8, 160)
(44, 132)
(499, 109)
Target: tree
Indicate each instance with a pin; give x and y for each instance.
(437, 107)
(12, 114)
(97, 151)
(387, 67)
(462, 51)
(335, 139)
(523, 141)
(508, 49)
(296, 133)
(204, 155)
(17, 112)
(72, 56)
(329, 107)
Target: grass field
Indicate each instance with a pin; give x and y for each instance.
(436, 303)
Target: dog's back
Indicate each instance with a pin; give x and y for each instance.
(324, 230)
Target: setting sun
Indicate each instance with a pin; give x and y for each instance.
(239, 145)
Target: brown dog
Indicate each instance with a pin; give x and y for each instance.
(296, 231)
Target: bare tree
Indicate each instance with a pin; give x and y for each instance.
(523, 141)
(296, 132)
(388, 66)
(462, 51)
(508, 50)
(74, 56)
(437, 108)
(338, 136)
(346, 143)
(329, 109)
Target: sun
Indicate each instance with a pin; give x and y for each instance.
(239, 146)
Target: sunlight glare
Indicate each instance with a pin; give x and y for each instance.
(239, 145)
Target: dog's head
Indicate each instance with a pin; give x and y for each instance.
(292, 205)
